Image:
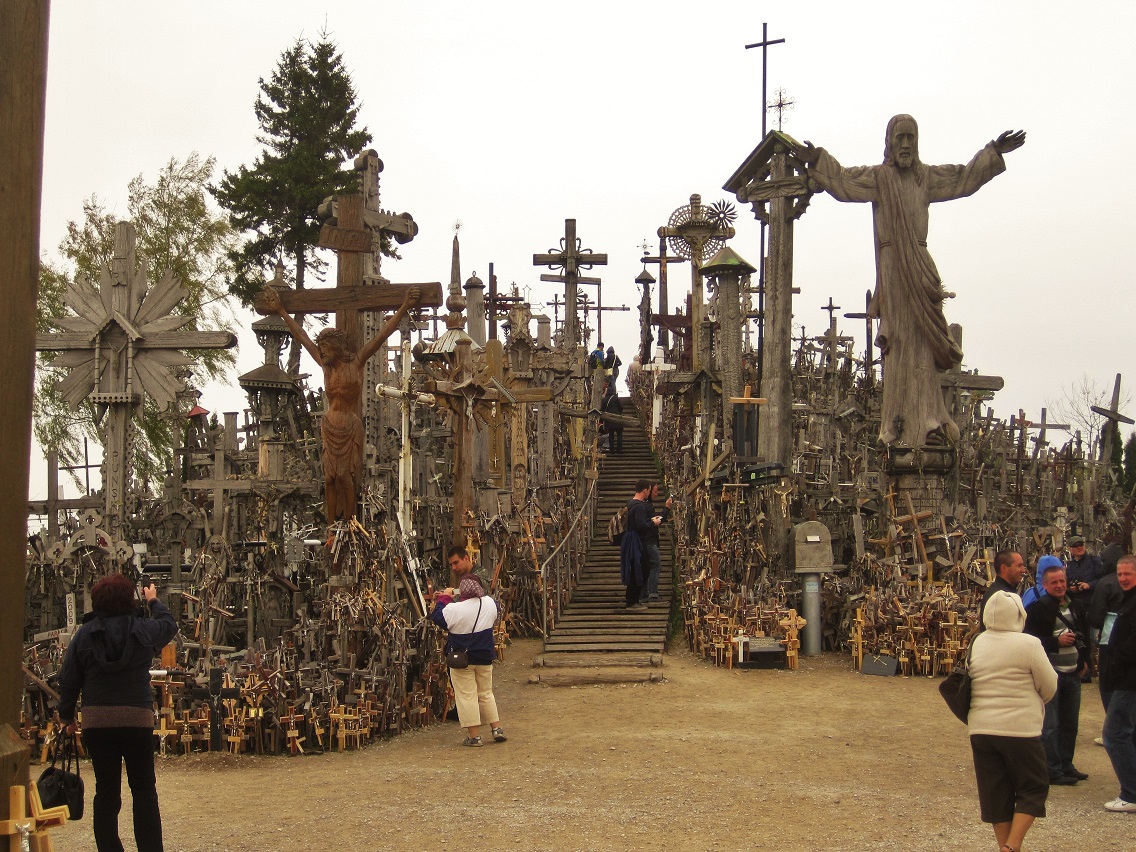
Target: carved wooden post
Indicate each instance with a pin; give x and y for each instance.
(23, 84)
(727, 268)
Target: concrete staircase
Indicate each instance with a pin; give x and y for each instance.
(597, 640)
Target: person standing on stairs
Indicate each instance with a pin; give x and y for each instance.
(633, 564)
(612, 405)
(660, 516)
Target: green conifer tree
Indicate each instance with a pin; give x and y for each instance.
(1130, 464)
(308, 113)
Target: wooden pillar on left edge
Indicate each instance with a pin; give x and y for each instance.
(23, 92)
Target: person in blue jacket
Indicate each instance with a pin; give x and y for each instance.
(469, 620)
(108, 663)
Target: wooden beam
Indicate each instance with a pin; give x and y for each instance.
(366, 297)
(23, 94)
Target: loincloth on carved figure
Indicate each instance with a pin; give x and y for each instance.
(342, 444)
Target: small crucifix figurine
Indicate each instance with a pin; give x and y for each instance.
(342, 427)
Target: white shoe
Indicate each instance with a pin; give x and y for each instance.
(1120, 806)
(1098, 740)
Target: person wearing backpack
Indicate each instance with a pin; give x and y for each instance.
(614, 431)
(611, 364)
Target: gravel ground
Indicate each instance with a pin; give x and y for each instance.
(821, 758)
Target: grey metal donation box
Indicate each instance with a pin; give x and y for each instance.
(812, 548)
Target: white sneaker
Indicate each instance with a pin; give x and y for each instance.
(1120, 806)
(1098, 740)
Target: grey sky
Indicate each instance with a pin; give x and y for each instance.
(513, 116)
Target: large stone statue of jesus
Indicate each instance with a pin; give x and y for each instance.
(908, 301)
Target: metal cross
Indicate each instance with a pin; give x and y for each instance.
(781, 104)
(764, 44)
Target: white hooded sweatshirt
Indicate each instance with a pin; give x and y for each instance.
(1011, 677)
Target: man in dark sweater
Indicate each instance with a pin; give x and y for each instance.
(641, 524)
(1120, 678)
(1062, 626)
(1010, 568)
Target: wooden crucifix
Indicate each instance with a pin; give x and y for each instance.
(355, 234)
(119, 346)
(571, 258)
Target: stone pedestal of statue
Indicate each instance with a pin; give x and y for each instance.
(921, 474)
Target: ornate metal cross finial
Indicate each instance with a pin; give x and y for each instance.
(781, 104)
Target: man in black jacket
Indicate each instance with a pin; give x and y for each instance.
(1062, 625)
(1107, 597)
(634, 567)
(612, 405)
(1010, 568)
(1120, 678)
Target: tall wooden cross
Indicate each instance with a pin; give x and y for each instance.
(1113, 415)
(355, 228)
(571, 258)
(120, 346)
(869, 360)
(662, 260)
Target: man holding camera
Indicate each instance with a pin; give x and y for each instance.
(1062, 625)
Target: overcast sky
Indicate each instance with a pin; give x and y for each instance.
(513, 116)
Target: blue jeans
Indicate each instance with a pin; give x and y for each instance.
(1119, 728)
(1062, 716)
(655, 565)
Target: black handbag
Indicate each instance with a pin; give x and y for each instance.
(458, 658)
(955, 689)
(58, 785)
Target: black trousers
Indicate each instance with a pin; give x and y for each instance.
(109, 748)
(616, 445)
(637, 585)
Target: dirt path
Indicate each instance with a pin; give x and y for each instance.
(823, 758)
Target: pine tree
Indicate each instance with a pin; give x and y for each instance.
(307, 112)
(1130, 464)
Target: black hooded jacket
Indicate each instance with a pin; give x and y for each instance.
(109, 660)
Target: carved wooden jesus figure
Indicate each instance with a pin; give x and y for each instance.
(913, 334)
(341, 427)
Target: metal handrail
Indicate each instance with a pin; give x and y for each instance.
(576, 555)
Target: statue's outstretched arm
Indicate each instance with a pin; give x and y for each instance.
(413, 296)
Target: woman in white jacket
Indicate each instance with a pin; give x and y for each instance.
(1011, 679)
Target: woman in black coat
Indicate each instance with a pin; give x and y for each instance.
(108, 663)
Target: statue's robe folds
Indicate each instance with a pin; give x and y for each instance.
(908, 301)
